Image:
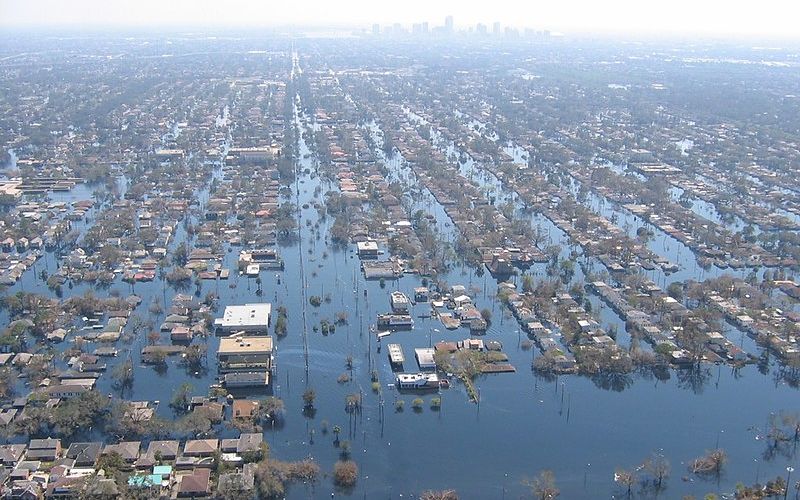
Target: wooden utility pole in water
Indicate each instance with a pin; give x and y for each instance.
(369, 351)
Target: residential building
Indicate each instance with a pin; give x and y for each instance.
(84, 454)
(46, 450)
(127, 450)
(196, 484)
(200, 447)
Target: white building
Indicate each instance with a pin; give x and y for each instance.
(399, 302)
(425, 358)
(250, 318)
(417, 381)
(367, 248)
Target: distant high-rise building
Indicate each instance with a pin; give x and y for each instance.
(448, 24)
(376, 29)
(419, 28)
(497, 29)
(480, 29)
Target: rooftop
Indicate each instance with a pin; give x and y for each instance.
(425, 357)
(367, 246)
(245, 345)
(245, 317)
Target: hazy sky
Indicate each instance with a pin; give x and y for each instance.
(780, 18)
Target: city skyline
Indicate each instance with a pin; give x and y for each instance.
(770, 18)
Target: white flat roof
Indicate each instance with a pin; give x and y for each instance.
(367, 245)
(399, 297)
(425, 356)
(245, 316)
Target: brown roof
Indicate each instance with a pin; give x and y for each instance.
(244, 408)
(168, 449)
(228, 445)
(128, 450)
(200, 446)
(12, 453)
(250, 442)
(196, 483)
(446, 346)
(214, 410)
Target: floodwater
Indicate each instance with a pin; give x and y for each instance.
(581, 428)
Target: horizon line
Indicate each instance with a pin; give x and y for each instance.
(365, 28)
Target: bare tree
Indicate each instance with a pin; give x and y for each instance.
(543, 486)
(710, 464)
(439, 495)
(658, 467)
(625, 478)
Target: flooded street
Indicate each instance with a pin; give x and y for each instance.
(489, 218)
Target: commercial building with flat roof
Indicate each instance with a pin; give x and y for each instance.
(245, 379)
(241, 353)
(167, 154)
(250, 318)
(367, 248)
(425, 358)
(253, 154)
(399, 302)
